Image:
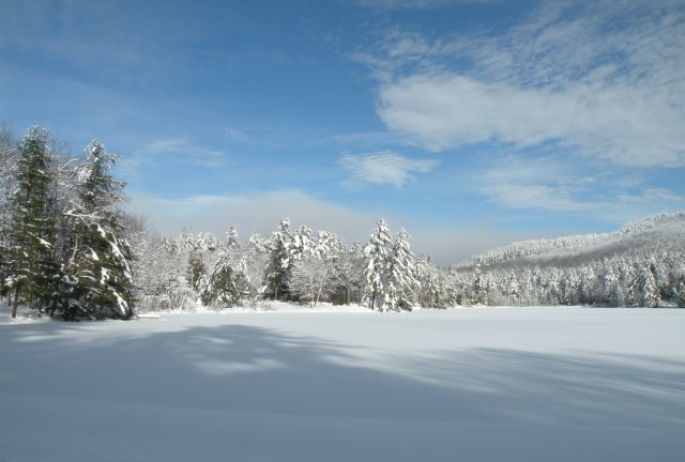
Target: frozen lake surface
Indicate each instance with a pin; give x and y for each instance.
(514, 384)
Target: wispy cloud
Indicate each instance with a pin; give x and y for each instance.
(651, 196)
(604, 79)
(557, 185)
(173, 150)
(384, 168)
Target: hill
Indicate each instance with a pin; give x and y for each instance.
(641, 264)
(664, 232)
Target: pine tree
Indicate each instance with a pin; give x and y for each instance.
(278, 272)
(232, 239)
(196, 270)
(647, 287)
(376, 255)
(99, 262)
(32, 274)
(220, 284)
(301, 244)
(424, 272)
(680, 294)
(401, 273)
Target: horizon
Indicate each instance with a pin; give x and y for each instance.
(472, 124)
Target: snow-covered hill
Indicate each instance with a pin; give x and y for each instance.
(659, 233)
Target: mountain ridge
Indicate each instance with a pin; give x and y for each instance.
(661, 232)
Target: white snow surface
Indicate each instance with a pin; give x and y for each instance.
(346, 384)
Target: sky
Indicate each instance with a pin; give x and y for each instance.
(471, 123)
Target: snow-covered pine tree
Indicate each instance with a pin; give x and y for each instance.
(301, 244)
(648, 290)
(7, 180)
(8, 165)
(219, 284)
(255, 266)
(99, 262)
(429, 285)
(232, 239)
(31, 272)
(376, 254)
(278, 272)
(680, 294)
(401, 274)
(513, 289)
(206, 242)
(196, 270)
(328, 245)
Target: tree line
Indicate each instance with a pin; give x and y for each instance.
(289, 264)
(68, 249)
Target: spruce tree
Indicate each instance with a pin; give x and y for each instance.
(401, 273)
(98, 267)
(280, 267)
(196, 270)
(376, 255)
(220, 282)
(31, 272)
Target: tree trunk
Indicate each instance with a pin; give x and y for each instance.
(14, 305)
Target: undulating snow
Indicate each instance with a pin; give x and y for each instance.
(346, 384)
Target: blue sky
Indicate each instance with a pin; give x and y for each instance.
(470, 123)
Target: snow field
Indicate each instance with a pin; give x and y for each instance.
(563, 384)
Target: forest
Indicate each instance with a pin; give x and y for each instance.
(70, 250)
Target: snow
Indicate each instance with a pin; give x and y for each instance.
(292, 383)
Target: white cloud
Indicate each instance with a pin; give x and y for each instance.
(180, 150)
(575, 79)
(557, 185)
(237, 135)
(384, 168)
(651, 196)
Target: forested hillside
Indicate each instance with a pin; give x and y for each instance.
(642, 264)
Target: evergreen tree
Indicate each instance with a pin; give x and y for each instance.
(7, 180)
(301, 244)
(232, 239)
(430, 287)
(647, 287)
(31, 272)
(99, 263)
(376, 255)
(278, 272)
(680, 294)
(401, 274)
(196, 270)
(220, 284)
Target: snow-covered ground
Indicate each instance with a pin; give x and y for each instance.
(339, 384)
